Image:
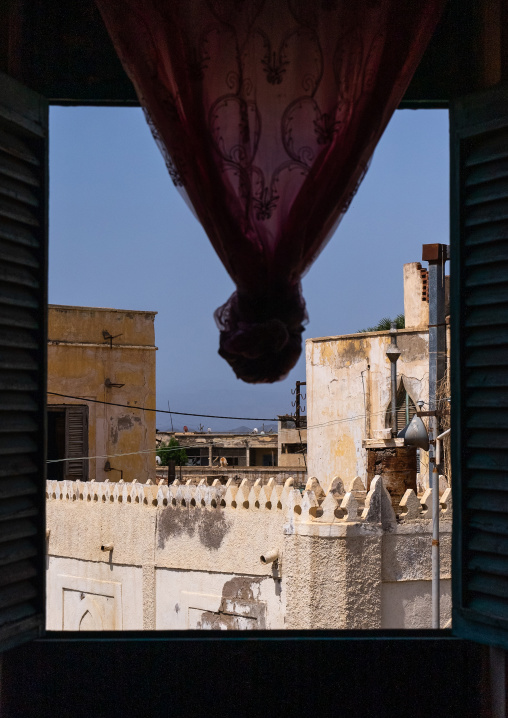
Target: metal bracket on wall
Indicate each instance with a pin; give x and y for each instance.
(110, 384)
(109, 337)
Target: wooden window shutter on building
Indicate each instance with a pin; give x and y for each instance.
(479, 370)
(76, 442)
(23, 280)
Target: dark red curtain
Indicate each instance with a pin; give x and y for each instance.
(267, 113)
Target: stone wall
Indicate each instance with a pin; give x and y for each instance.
(139, 556)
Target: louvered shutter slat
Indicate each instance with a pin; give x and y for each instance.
(479, 321)
(76, 439)
(23, 246)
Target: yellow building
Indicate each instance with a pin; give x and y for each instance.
(106, 355)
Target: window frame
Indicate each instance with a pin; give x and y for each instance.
(260, 635)
(174, 637)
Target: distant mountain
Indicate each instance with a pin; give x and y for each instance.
(267, 428)
(248, 430)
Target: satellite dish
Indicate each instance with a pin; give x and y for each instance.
(209, 430)
(415, 434)
(254, 431)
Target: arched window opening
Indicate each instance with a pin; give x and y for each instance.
(406, 409)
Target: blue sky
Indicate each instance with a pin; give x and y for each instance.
(121, 236)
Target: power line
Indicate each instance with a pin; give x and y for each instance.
(163, 449)
(159, 411)
(179, 448)
(215, 416)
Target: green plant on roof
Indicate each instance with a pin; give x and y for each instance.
(384, 324)
(171, 452)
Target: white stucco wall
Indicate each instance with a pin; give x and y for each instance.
(189, 557)
(112, 595)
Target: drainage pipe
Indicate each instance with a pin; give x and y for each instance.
(435, 548)
(438, 445)
(436, 594)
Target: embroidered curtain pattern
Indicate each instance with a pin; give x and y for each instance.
(267, 113)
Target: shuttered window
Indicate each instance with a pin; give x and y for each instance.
(67, 443)
(76, 441)
(479, 309)
(23, 246)
(406, 409)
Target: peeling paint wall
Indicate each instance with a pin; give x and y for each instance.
(348, 377)
(79, 362)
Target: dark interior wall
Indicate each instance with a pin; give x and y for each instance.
(62, 50)
(195, 676)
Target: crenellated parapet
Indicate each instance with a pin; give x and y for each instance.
(312, 506)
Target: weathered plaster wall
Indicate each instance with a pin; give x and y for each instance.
(80, 361)
(188, 556)
(348, 377)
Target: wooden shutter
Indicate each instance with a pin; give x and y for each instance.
(479, 370)
(76, 442)
(23, 278)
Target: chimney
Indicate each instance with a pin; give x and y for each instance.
(416, 296)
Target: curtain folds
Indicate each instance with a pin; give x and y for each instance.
(267, 113)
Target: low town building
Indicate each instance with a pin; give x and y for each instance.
(292, 441)
(101, 372)
(222, 449)
(253, 455)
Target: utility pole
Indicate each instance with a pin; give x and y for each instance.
(296, 402)
(436, 255)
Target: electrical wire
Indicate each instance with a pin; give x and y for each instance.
(159, 411)
(113, 456)
(179, 448)
(216, 416)
(331, 422)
